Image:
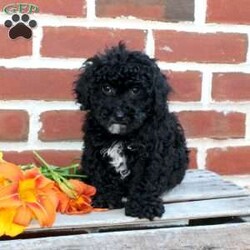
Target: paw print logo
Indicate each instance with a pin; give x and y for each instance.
(20, 26)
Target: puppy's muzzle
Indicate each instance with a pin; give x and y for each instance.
(117, 128)
(118, 124)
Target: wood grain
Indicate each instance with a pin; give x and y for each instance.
(201, 195)
(224, 237)
(114, 219)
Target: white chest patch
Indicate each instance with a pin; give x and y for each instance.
(118, 159)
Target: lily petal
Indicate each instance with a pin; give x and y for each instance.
(79, 206)
(63, 201)
(44, 211)
(10, 171)
(35, 174)
(9, 196)
(83, 188)
(23, 216)
(7, 226)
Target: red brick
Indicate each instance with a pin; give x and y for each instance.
(153, 10)
(56, 7)
(231, 86)
(165, 10)
(212, 124)
(228, 11)
(36, 84)
(61, 125)
(82, 42)
(186, 85)
(229, 161)
(193, 158)
(54, 157)
(176, 46)
(13, 48)
(14, 125)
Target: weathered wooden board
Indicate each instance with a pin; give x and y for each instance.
(194, 175)
(201, 185)
(114, 219)
(199, 196)
(224, 237)
(203, 190)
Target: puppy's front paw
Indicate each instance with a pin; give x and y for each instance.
(99, 202)
(145, 209)
(103, 202)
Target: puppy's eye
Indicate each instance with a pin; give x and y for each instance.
(107, 90)
(135, 90)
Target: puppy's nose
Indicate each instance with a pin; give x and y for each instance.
(119, 115)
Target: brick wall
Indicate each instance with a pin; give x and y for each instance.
(202, 45)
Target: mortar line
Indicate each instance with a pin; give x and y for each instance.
(150, 44)
(91, 9)
(36, 42)
(200, 9)
(206, 88)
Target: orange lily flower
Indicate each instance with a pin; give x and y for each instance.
(39, 197)
(77, 199)
(32, 194)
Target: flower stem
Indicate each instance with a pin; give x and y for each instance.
(55, 172)
(41, 159)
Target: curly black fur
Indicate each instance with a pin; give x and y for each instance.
(125, 94)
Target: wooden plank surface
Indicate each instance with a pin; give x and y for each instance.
(114, 219)
(223, 237)
(200, 195)
(203, 184)
(194, 175)
(204, 190)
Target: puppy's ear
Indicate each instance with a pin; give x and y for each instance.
(161, 89)
(81, 90)
(82, 85)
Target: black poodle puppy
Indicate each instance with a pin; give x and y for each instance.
(135, 148)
